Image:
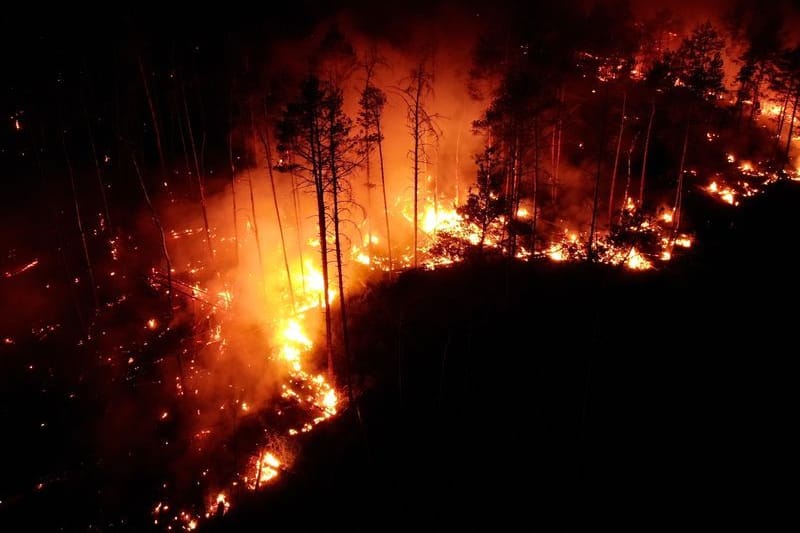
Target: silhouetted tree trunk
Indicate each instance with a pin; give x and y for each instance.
(154, 118)
(200, 184)
(416, 135)
(79, 221)
(616, 159)
(535, 214)
(678, 207)
(157, 223)
(165, 253)
(261, 272)
(96, 162)
(383, 189)
(782, 117)
(628, 176)
(268, 154)
(298, 232)
(559, 129)
(646, 149)
(420, 124)
(233, 194)
(791, 123)
(601, 140)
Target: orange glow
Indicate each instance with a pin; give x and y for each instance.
(152, 323)
(637, 262)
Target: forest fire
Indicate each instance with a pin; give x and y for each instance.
(197, 229)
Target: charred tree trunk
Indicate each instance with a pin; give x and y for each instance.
(643, 177)
(233, 195)
(154, 118)
(268, 153)
(601, 139)
(791, 124)
(299, 234)
(616, 160)
(535, 183)
(782, 118)
(677, 208)
(261, 271)
(79, 221)
(157, 223)
(557, 133)
(96, 162)
(628, 177)
(383, 188)
(417, 134)
(339, 266)
(200, 184)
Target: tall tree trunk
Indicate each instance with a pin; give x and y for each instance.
(557, 133)
(601, 139)
(782, 118)
(339, 267)
(643, 177)
(791, 124)
(261, 271)
(187, 165)
(268, 153)
(756, 95)
(96, 162)
(165, 252)
(319, 185)
(367, 165)
(678, 207)
(298, 232)
(157, 223)
(458, 164)
(383, 188)
(535, 216)
(417, 134)
(79, 221)
(514, 196)
(200, 184)
(616, 159)
(628, 176)
(233, 194)
(154, 118)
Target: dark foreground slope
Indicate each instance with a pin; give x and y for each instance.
(553, 397)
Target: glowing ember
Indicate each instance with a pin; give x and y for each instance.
(636, 261)
(23, 268)
(152, 323)
(725, 193)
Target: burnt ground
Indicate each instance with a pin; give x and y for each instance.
(506, 396)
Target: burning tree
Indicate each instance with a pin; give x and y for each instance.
(316, 131)
(371, 104)
(787, 81)
(421, 126)
(486, 202)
